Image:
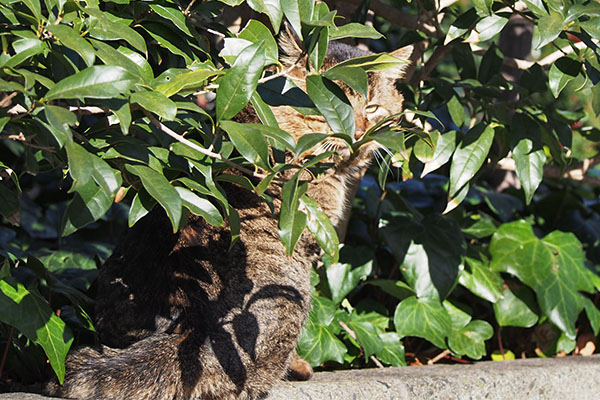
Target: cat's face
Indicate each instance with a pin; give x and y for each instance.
(384, 100)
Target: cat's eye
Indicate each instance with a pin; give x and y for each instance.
(371, 108)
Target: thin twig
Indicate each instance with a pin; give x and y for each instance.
(21, 138)
(437, 358)
(353, 336)
(187, 9)
(199, 149)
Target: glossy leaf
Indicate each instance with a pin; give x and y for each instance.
(161, 190)
(332, 104)
(292, 221)
(238, 84)
(29, 313)
(425, 318)
(155, 102)
(200, 206)
(482, 281)
(469, 156)
(470, 340)
(71, 39)
(392, 352)
(90, 202)
(444, 148)
(320, 226)
(355, 77)
(99, 81)
(511, 310)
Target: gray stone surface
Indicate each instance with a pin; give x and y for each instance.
(561, 378)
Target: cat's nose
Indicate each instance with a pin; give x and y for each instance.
(359, 133)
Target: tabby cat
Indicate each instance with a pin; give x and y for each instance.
(188, 317)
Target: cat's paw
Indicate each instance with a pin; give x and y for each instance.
(299, 370)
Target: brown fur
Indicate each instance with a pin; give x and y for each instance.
(186, 317)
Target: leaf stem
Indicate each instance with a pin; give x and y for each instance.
(8, 342)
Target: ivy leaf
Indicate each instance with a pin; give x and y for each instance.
(239, 82)
(470, 156)
(593, 315)
(425, 318)
(342, 278)
(551, 266)
(160, 189)
(29, 313)
(482, 281)
(393, 350)
(366, 336)
(317, 342)
(515, 309)
(470, 340)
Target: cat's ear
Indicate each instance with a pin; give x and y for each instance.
(402, 53)
(289, 49)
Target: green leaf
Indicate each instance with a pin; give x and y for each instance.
(397, 289)
(35, 7)
(458, 318)
(187, 80)
(374, 62)
(29, 313)
(174, 16)
(552, 267)
(169, 40)
(593, 315)
(470, 340)
(456, 110)
(490, 27)
(155, 102)
(160, 189)
(562, 71)
(200, 206)
(291, 220)
(366, 336)
(512, 310)
(356, 30)
(354, 77)
(272, 8)
(444, 148)
(430, 253)
(264, 112)
(9, 204)
(317, 342)
(393, 351)
(282, 91)
(332, 103)
(60, 119)
(342, 278)
(548, 28)
(424, 318)
(90, 202)
(24, 49)
(238, 84)
(470, 156)
(320, 226)
(99, 81)
(80, 164)
(536, 7)
(529, 166)
(71, 39)
(256, 32)
(461, 25)
(250, 141)
(482, 281)
(105, 29)
(140, 206)
(483, 7)
(317, 48)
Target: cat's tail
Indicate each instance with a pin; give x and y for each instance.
(169, 367)
(146, 370)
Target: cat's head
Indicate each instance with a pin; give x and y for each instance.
(384, 98)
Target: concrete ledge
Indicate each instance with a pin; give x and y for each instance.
(559, 378)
